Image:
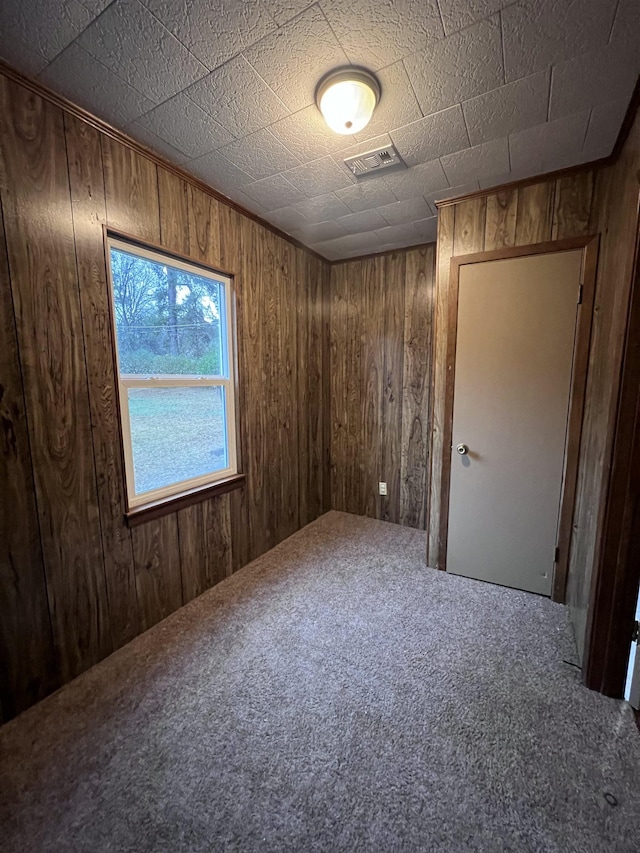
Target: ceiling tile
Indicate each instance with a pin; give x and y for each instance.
(95, 6)
(590, 80)
(457, 14)
(377, 34)
(426, 230)
(273, 192)
(136, 47)
(507, 177)
(33, 32)
(306, 135)
(399, 235)
(413, 182)
(458, 67)
(218, 172)
(366, 220)
(537, 147)
(21, 56)
(296, 56)
(283, 10)
(237, 97)
(451, 192)
(354, 148)
(322, 208)
(315, 232)
(603, 129)
(510, 108)
(398, 105)
(481, 161)
(86, 82)
(287, 218)
(539, 33)
(349, 245)
(184, 125)
(324, 249)
(319, 177)
(214, 30)
(154, 143)
(246, 201)
(366, 195)
(431, 137)
(401, 212)
(260, 155)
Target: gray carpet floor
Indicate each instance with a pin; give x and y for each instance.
(335, 695)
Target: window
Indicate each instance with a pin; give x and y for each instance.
(174, 346)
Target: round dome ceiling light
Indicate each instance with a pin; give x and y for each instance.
(347, 98)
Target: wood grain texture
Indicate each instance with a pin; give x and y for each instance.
(614, 215)
(205, 546)
(372, 374)
(314, 420)
(28, 669)
(156, 555)
(573, 200)
(381, 336)
(394, 276)
(500, 226)
(444, 251)
(226, 244)
(88, 207)
(338, 384)
(34, 183)
(416, 386)
(613, 595)
(303, 375)
(353, 465)
(534, 216)
(61, 181)
(285, 369)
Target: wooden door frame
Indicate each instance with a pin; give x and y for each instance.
(616, 575)
(589, 245)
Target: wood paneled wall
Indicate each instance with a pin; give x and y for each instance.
(550, 210)
(75, 581)
(381, 342)
(603, 202)
(614, 216)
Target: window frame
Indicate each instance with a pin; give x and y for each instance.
(157, 502)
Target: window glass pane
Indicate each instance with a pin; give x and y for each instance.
(168, 320)
(176, 434)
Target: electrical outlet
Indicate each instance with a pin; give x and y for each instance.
(382, 487)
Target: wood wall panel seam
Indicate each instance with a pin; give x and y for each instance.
(42, 258)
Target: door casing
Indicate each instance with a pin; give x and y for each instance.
(589, 246)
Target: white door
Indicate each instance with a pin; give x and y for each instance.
(514, 354)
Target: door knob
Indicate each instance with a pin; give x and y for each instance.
(462, 449)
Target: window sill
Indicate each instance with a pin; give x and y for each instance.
(156, 509)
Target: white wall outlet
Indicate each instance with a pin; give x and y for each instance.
(382, 487)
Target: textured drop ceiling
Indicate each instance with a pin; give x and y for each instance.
(474, 93)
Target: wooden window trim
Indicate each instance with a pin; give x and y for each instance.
(165, 506)
(159, 507)
(589, 244)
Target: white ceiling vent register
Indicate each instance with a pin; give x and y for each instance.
(373, 162)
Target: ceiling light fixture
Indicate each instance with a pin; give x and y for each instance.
(347, 97)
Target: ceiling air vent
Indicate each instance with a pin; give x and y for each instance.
(379, 160)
